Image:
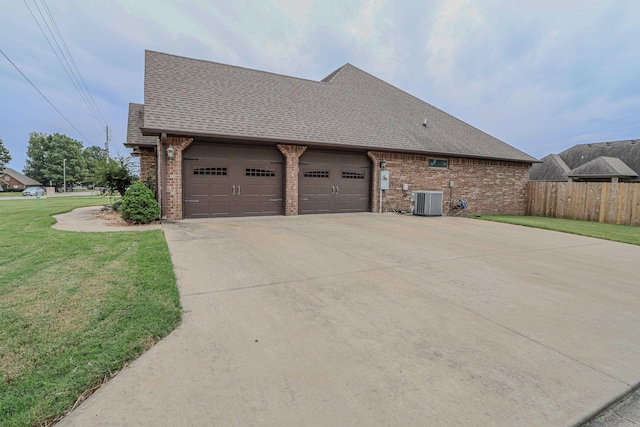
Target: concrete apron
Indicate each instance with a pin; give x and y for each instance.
(368, 319)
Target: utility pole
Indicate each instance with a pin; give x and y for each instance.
(64, 174)
(106, 143)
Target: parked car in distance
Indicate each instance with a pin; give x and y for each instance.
(33, 191)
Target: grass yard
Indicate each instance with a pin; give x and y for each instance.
(74, 307)
(617, 233)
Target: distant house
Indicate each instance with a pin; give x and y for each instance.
(616, 161)
(220, 140)
(10, 178)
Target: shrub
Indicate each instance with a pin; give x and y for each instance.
(139, 205)
(117, 205)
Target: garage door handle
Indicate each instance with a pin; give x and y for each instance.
(336, 189)
(238, 190)
(233, 190)
(333, 190)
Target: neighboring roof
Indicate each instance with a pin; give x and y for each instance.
(349, 108)
(552, 168)
(23, 179)
(135, 138)
(603, 167)
(627, 152)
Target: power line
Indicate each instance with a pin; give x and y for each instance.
(42, 94)
(73, 61)
(56, 54)
(68, 69)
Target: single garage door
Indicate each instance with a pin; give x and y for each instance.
(333, 182)
(222, 180)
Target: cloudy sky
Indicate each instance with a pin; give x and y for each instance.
(540, 75)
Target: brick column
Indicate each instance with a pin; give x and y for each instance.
(148, 167)
(174, 176)
(292, 155)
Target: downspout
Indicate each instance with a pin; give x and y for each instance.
(163, 144)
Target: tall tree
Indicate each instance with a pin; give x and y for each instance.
(94, 158)
(5, 157)
(117, 174)
(46, 156)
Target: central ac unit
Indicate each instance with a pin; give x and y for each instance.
(427, 203)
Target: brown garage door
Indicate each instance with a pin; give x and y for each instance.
(333, 182)
(221, 180)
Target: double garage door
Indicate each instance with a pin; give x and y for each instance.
(331, 182)
(225, 180)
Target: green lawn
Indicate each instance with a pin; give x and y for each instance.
(617, 233)
(74, 307)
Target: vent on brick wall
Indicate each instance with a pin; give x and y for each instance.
(427, 203)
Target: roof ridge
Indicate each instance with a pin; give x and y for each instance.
(331, 76)
(560, 161)
(608, 142)
(228, 65)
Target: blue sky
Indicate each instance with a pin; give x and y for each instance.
(541, 76)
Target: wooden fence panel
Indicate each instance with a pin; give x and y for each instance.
(588, 201)
(562, 199)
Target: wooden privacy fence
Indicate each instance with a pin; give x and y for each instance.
(588, 201)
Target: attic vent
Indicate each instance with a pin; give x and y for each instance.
(633, 142)
(589, 145)
(608, 144)
(424, 123)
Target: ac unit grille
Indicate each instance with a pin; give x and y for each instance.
(427, 203)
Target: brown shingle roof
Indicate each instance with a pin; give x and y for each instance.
(349, 108)
(23, 179)
(627, 151)
(134, 134)
(552, 168)
(603, 167)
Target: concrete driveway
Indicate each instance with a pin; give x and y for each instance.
(368, 319)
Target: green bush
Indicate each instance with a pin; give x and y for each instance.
(139, 205)
(117, 205)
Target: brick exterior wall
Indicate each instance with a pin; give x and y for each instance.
(292, 155)
(148, 167)
(174, 176)
(489, 186)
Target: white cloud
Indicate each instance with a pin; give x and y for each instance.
(529, 73)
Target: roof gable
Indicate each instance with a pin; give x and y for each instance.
(134, 123)
(348, 108)
(23, 179)
(603, 167)
(552, 168)
(614, 158)
(628, 151)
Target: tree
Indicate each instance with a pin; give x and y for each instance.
(46, 156)
(5, 157)
(94, 158)
(116, 174)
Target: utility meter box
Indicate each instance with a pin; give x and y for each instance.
(384, 180)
